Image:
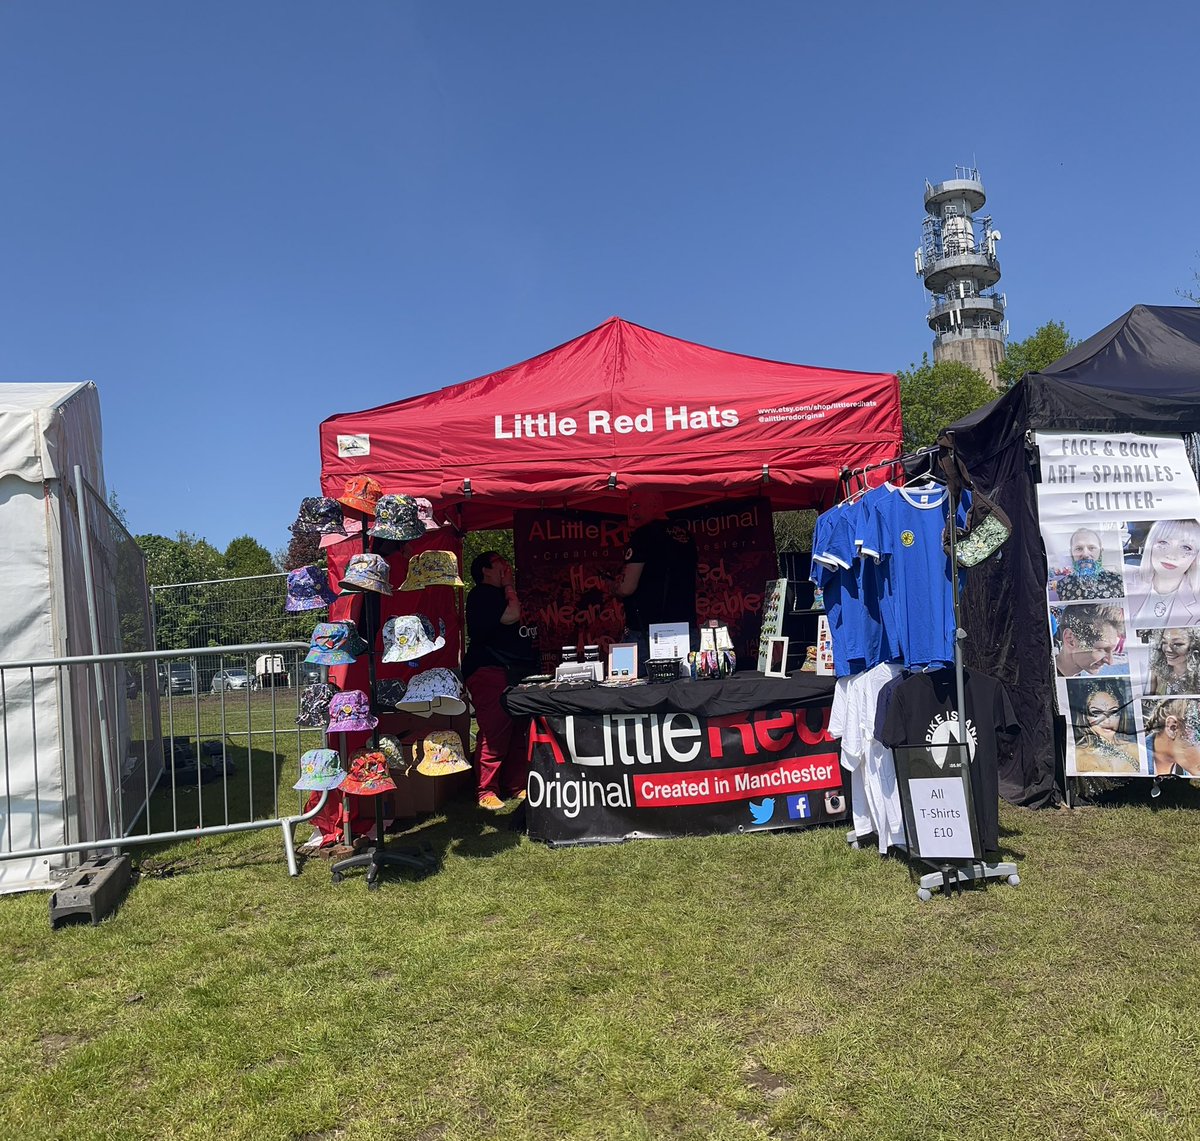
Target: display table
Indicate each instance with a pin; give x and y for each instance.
(745, 753)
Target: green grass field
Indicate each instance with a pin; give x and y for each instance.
(764, 986)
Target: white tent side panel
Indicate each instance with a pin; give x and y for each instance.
(49, 778)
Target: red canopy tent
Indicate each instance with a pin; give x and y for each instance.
(620, 406)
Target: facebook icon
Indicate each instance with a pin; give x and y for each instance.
(797, 807)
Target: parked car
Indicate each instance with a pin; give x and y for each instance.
(233, 678)
(311, 672)
(178, 678)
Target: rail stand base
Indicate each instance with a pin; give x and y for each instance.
(93, 890)
(953, 877)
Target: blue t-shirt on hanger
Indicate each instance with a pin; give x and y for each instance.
(903, 533)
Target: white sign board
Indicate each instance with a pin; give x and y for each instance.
(943, 827)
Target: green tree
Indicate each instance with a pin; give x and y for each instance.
(246, 556)
(179, 614)
(476, 542)
(1041, 348)
(935, 395)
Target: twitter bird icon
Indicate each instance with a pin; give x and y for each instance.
(761, 813)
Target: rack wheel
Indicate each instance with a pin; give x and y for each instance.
(337, 876)
(373, 885)
(924, 894)
(1014, 879)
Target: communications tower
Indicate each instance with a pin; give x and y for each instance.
(957, 260)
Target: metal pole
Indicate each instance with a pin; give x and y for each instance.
(115, 824)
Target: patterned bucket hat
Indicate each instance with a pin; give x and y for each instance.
(307, 589)
(350, 712)
(396, 518)
(320, 769)
(434, 691)
(432, 568)
(425, 514)
(388, 692)
(314, 704)
(442, 754)
(368, 775)
(367, 572)
(411, 636)
(335, 644)
(319, 516)
(362, 493)
(391, 748)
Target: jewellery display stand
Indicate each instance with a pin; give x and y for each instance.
(379, 855)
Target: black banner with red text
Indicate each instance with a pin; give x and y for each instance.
(615, 776)
(562, 557)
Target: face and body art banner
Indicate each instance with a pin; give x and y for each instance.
(563, 558)
(614, 776)
(1120, 521)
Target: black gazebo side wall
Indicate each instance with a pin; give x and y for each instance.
(1140, 374)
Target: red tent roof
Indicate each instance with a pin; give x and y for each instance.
(620, 401)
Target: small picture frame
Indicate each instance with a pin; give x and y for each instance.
(777, 656)
(622, 661)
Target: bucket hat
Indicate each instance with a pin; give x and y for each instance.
(362, 493)
(368, 775)
(320, 769)
(367, 572)
(350, 712)
(335, 643)
(425, 515)
(314, 704)
(434, 691)
(441, 754)
(388, 692)
(410, 636)
(432, 568)
(319, 516)
(307, 589)
(396, 518)
(391, 748)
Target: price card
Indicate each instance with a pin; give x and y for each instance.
(940, 817)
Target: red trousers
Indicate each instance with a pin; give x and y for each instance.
(501, 751)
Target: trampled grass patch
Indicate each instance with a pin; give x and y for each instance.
(766, 986)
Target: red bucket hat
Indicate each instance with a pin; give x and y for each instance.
(362, 493)
(368, 775)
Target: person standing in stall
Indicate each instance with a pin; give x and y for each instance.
(499, 654)
(658, 582)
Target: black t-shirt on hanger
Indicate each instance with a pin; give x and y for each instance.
(920, 714)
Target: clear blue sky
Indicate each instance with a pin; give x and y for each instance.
(241, 216)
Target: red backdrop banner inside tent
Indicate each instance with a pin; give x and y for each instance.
(562, 556)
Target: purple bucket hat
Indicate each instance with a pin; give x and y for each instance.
(319, 516)
(307, 589)
(350, 712)
(314, 704)
(335, 644)
(396, 518)
(367, 572)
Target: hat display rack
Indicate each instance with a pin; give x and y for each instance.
(384, 519)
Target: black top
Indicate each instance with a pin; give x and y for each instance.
(920, 714)
(489, 641)
(666, 591)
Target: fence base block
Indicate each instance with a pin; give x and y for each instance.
(93, 890)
